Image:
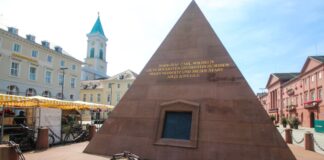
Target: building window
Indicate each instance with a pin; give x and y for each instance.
(16, 47)
(98, 97)
(91, 98)
(92, 52)
(48, 77)
(301, 99)
(109, 85)
(177, 125)
(34, 53)
(84, 97)
(30, 92)
(108, 98)
(320, 93)
(49, 59)
(72, 82)
(32, 73)
(312, 94)
(73, 67)
(13, 90)
(46, 94)
(101, 54)
(60, 78)
(59, 96)
(71, 96)
(305, 97)
(62, 63)
(313, 78)
(14, 69)
(128, 85)
(118, 85)
(320, 75)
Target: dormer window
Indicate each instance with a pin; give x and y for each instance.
(121, 77)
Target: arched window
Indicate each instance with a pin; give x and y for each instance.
(46, 94)
(92, 52)
(30, 92)
(101, 54)
(13, 90)
(59, 96)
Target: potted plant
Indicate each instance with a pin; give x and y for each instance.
(295, 122)
(273, 118)
(284, 121)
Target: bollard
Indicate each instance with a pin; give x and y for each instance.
(42, 138)
(8, 152)
(92, 131)
(309, 142)
(288, 134)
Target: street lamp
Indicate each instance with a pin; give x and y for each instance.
(63, 70)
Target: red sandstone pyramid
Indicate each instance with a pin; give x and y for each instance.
(191, 102)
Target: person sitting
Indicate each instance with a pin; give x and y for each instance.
(20, 119)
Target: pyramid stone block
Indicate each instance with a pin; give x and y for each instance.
(191, 102)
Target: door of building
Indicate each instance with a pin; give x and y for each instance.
(312, 118)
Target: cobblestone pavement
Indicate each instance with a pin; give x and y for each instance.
(298, 135)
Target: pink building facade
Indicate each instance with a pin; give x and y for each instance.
(297, 94)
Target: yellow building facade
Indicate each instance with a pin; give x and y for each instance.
(29, 69)
(108, 90)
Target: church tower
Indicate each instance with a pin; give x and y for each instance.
(96, 64)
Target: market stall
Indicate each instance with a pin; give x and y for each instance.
(39, 111)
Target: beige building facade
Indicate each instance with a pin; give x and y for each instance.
(107, 91)
(29, 69)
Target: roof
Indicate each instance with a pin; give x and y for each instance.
(97, 28)
(283, 77)
(319, 58)
(128, 74)
(261, 94)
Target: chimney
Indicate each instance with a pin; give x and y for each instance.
(46, 44)
(58, 49)
(30, 37)
(13, 30)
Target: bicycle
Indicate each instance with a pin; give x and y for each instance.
(76, 134)
(26, 139)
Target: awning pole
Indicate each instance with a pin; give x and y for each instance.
(2, 123)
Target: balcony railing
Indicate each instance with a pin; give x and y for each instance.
(273, 110)
(312, 104)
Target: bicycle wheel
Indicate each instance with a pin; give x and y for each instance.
(51, 140)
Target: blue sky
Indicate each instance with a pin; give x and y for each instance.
(262, 37)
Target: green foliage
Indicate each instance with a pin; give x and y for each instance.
(293, 122)
(272, 117)
(284, 121)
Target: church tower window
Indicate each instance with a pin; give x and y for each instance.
(92, 51)
(101, 54)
